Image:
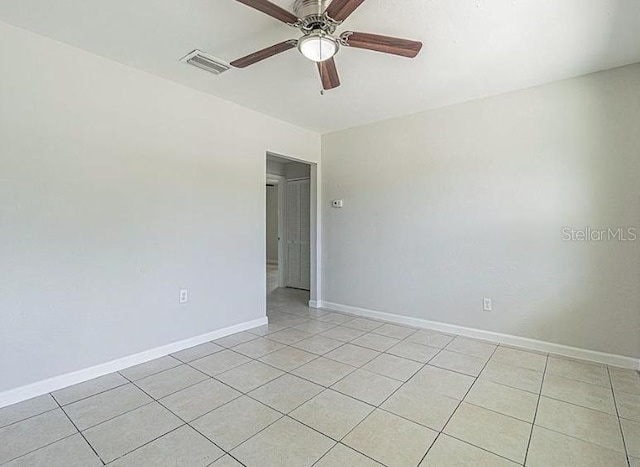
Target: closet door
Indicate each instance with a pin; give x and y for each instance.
(298, 212)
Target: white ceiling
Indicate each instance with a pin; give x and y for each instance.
(472, 49)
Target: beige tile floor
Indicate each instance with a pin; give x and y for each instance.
(321, 388)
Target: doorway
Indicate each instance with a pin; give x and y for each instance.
(288, 228)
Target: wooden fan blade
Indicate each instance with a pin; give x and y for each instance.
(271, 9)
(263, 54)
(386, 44)
(329, 74)
(339, 10)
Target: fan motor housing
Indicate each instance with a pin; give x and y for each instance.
(305, 8)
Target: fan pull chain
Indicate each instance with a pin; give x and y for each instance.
(321, 73)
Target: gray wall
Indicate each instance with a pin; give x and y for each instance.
(117, 189)
(449, 206)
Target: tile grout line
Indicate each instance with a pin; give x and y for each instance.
(535, 414)
(379, 407)
(615, 404)
(475, 378)
(81, 434)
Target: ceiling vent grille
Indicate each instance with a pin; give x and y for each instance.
(206, 62)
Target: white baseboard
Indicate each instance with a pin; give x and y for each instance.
(39, 388)
(515, 341)
(314, 304)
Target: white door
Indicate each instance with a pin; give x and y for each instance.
(298, 227)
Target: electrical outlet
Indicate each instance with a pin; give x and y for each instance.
(487, 304)
(184, 296)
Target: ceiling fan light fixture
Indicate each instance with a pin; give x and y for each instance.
(318, 46)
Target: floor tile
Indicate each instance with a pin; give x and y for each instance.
(219, 362)
(249, 376)
(343, 334)
(266, 329)
(286, 392)
(289, 336)
(226, 461)
(391, 440)
(181, 447)
(363, 324)
(413, 351)
(353, 355)
(368, 387)
(323, 371)
(625, 380)
(553, 449)
(197, 400)
(497, 433)
(89, 388)
(288, 358)
(258, 347)
(170, 381)
(431, 338)
(444, 382)
(235, 422)
(579, 370)
(152, 367)
(29, 408)
(461, 363)
(503, 399)
(235, 339)
(315, 313)
(576, 392)
(634, 461)
(332, 413)
(631, 432)
(118, 436)
(393, 367)
(520, 358)
(472, 347)
(342, 456)
(425, 407)
(375, 342)
(286, 319)
(451, 452)
(515, 377)
(68, 452)
(319, 345)
(579, 422)
(628, 405)
(104, 406)
(334, 318)
(272, 447)
(395, 331)
(199, 351)
(314, 327)
(28, 435)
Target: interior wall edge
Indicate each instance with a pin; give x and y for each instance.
(525, 343)
(22, 393)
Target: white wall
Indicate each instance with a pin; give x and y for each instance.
(449, 206)
(272, 224)
(117, 189)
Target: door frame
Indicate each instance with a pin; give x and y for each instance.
(316, 227)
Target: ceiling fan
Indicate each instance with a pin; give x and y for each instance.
(318, 21)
